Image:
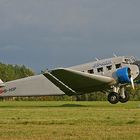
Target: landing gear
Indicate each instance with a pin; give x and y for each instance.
(124, 100)
(117, 95)
(113, 97)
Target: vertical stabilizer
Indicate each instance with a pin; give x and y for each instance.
(1, 83)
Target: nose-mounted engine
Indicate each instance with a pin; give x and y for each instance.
(124, 75)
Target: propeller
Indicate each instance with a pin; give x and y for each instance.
(132, 82)
(131, 78)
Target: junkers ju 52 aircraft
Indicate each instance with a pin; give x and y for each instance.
(110, 75)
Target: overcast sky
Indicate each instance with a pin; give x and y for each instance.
(58, 33)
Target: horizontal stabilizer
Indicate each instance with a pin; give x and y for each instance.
(37, 85)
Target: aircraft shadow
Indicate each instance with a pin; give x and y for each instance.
(43, 106)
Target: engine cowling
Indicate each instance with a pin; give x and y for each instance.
(124, 75)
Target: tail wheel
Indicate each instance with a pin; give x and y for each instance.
(124, 100)
(113, 97)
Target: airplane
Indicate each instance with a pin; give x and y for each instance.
(111, 75)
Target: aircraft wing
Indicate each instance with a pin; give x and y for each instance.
(73, 82)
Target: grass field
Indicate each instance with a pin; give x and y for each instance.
(42, 120)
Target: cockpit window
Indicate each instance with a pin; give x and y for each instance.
(129, 60)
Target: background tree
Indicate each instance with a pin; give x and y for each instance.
(10, 72)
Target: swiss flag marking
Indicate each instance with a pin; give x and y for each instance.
(1, 91)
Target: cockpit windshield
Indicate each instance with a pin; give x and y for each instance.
(129, 59)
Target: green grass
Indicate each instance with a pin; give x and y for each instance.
(42, 120)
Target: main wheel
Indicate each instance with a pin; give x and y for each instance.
(113, 97)
(124, 100)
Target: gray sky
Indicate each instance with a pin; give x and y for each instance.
(55, 33)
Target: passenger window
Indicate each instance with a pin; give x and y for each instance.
(118, 66)
(109, 67)
(100, 69)
(91, 71)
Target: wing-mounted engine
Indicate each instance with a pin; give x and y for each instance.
(124, 75)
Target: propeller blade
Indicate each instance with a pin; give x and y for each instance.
(132, 83)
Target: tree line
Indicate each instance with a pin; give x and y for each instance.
(10, 72)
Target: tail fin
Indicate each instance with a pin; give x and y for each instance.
(1, 83)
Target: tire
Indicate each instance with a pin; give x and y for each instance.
(113, 98)
(124, 100)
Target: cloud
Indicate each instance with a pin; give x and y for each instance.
(10, 48)
(67, 32)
